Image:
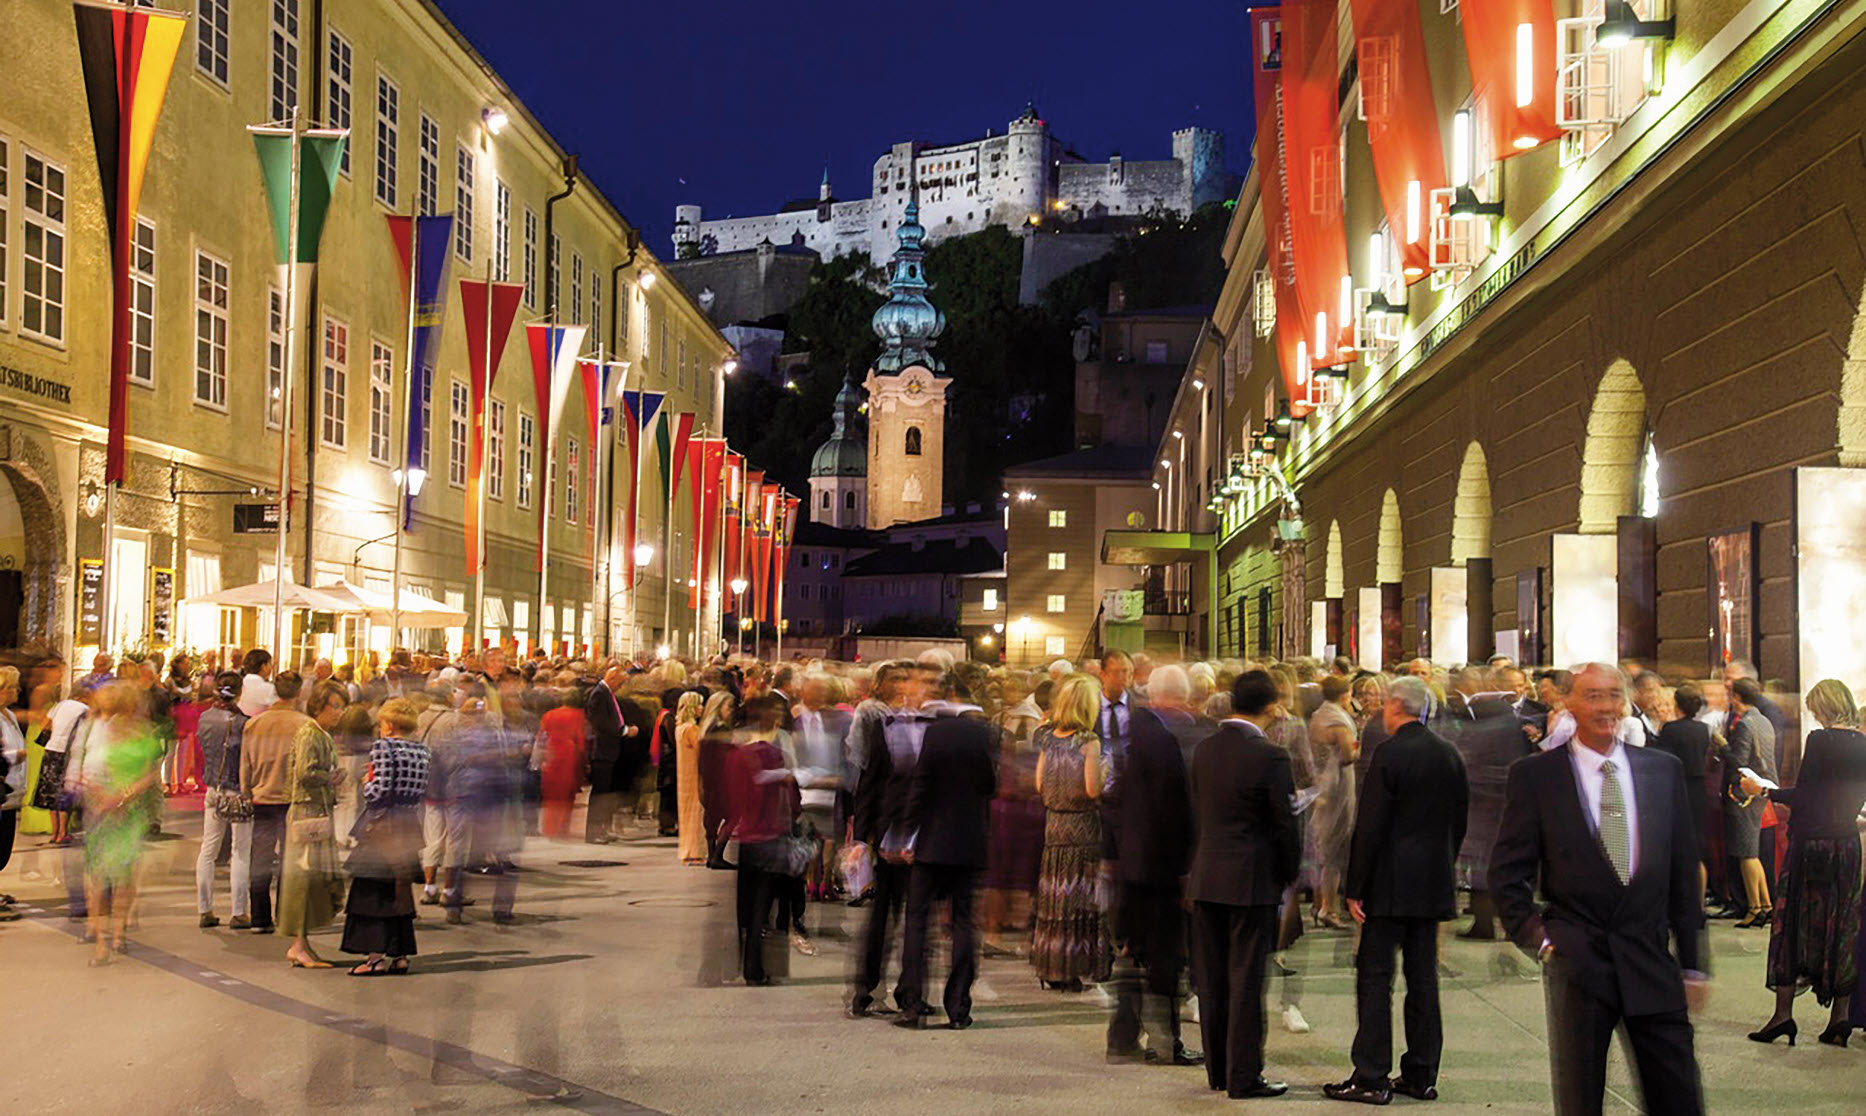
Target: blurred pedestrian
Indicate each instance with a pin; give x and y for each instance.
(266, 747)
(226, 813)
(385, 859)
(310, 885)
(118, 776)
(1070, 947)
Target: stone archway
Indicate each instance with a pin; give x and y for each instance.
(1611, 458)
(30, 478)
(1852, 413)
(1334, 581)
(1390, 559)
(1470, 513)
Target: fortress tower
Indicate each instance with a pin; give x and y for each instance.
(906, 394)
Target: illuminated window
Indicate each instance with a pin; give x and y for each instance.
(1053, 645)
(1059, 518)
(501, 231)
(458, 396)
(1058, 560)
(531, 257)
(388, 124)
(464, 164)
(527, 427)
(1056, 603)
(275, 355)
(381, 401)
(573, 461)
(210, 329)
(334, 391)
(990, 603)
(142, 299)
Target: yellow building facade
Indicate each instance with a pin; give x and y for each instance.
(432, 130)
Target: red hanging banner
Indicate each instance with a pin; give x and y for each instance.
(488, 310)
(1312, 173)
(1402, 124)
(713, 468)
(774, 498)
(1273, 191)
(754, 541)
(1511, 46)
(590, 373)
(696, 489)
(735, 497)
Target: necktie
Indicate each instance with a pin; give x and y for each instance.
(1614, 838)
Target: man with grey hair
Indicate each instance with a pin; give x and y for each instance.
(1607, 830)
(1170, 698)
(1061, 669)
(1401, 883)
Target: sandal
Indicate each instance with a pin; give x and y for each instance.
(398, 966)
(371, 968)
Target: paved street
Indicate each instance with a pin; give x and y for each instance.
(608, 995)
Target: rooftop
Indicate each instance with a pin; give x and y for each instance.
(939, 556)
(1105, 460)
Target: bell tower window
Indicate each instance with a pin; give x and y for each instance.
(913, 441)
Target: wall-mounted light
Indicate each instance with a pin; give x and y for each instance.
(644, 553)
(1283, 418)
(1464, 200)
(93, 499)
(416, 478)
(1165, 463)
(494, 118)
(1198, 384)
(1620, 25)
(1156, 486)
(729, 367)
(1025, 496)
(1525, 66)
(645, 280)
(1178, 434)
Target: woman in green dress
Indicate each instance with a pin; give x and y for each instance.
(117, 773)
(311, 889)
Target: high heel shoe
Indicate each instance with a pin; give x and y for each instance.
(1837, 1035)
(1776, 1031)
(1756, 920)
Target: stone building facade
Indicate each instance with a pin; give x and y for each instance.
(1632, 432)
(418, 102)
(1006, 179)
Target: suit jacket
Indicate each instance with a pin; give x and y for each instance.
(1403, 862)
(1247, 850)
(1611, 937)
(950, 791)
(1688, 739)
(607, 720)
(1151, 838)
(881, 799)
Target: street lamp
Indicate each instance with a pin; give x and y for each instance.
(738, 586)
(416, 478)
(1020, 628)
(644, 554)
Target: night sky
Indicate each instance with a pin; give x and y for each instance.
(735, 105)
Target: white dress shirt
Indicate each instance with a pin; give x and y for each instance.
(1588, 779)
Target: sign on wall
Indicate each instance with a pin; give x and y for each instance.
(1584, 604)
(1730, 589)
(90, 602)
(161, 606)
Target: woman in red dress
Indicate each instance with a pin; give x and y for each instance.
(563, 738)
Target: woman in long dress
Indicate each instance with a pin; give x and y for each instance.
(692, 820)
(385, 858)
(1070, 944)
(716, 725)
(563, 732)
(1333, 741)
(311, 887)
(119, 758)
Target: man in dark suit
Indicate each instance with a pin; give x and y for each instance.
(1401, 883)
(948, 812)
(612, 734)
(1152, 847)
(1247, 852)
(1608, 831)
(892, 751)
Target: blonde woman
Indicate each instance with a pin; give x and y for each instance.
(687, 777)
(1817, 912)
(1070, 946)
(118, 767)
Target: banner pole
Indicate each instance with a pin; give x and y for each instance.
(285, 404)
(402, 471)
(107, 621)
(477, 622)
(547, 490)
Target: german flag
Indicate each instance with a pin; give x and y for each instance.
(127, 54)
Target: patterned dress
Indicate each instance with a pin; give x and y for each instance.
(1070, 942)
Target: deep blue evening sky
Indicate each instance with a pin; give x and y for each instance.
(745, 99)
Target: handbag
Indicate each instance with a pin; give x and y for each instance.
(858, 869)
(781, 856)
(308, 830)
(232, 804)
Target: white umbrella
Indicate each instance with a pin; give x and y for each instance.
(262, 594)
(418, 610)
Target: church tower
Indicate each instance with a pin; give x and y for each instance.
(839, 471)
(906, 393)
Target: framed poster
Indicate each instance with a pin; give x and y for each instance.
(1529, 616)
(1730, 596)
(90, 601)
(161, 606)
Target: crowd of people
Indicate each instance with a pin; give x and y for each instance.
(1144, 835)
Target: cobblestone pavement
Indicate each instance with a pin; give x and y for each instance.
(615, 993)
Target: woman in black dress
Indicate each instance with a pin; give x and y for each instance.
(379, 916)
(1817, 913)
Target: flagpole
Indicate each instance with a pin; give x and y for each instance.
(667, 542)
(552, 340)
(478, 620)
(402, 470)
(107, 621)
(285, 401)
(780, 529)
(601, 541)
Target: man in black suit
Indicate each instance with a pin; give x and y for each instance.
(1152, 847)
(948, 812)
(892, 751)
(1401, 883)
(1608, 831)
(1247, 852)
(611, 733)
